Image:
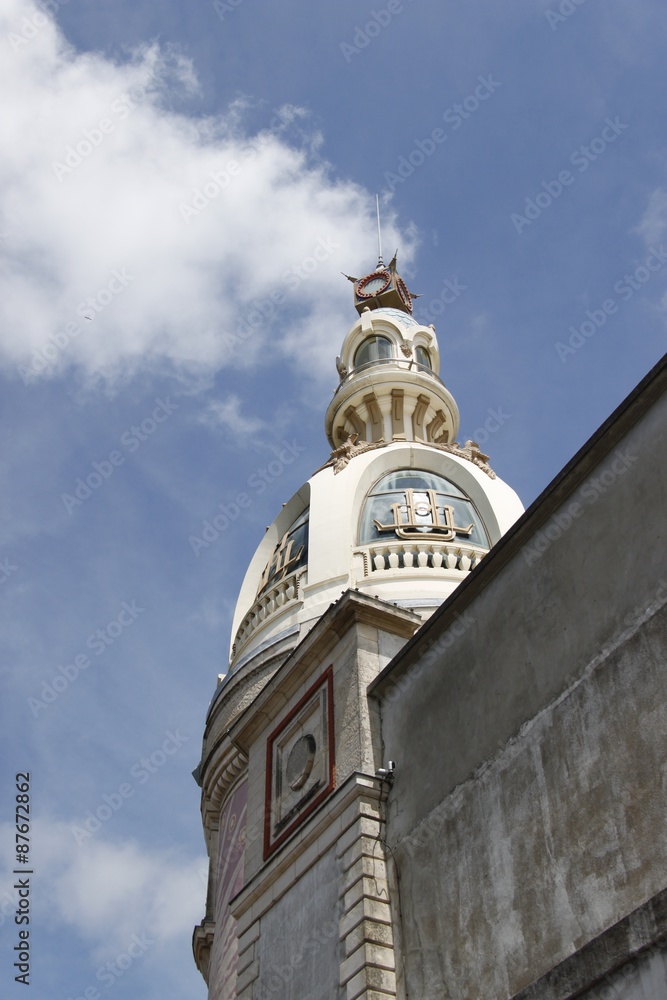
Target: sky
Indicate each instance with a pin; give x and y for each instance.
(181, 186)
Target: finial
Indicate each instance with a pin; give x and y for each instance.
(377, 211)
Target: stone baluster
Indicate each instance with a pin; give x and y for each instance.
(378, 559)
(394, 558)
(464, 560)
(422, 554)
(451, 559)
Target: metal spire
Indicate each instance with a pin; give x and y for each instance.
(377, 210)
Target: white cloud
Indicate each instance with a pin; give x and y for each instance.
(105, 229)
(106, 891)
(241, 427)
(653, 225)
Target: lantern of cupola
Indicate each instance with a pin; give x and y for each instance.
(389, 385)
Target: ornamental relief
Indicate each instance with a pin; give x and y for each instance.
(421, 516)
(340, 457)
(300, 763)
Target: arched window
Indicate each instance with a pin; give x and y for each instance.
(421, 505)
(423, 358)
(290, 554)
(372, 349)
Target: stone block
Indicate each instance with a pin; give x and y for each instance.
(362, 846)
(369, 930)
(352, 918)
(248, 976)
(247, 938)
(363, 826)
(368, 956)
(245, 959)
(369, 978)
(370, 887)
(375, 868)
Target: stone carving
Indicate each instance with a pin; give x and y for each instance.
(340, 457)
(341, 368)
(471, 452)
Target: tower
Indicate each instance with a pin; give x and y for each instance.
(301, 896)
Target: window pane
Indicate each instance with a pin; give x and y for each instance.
(389, 501)
(372, 349)
(290, 554)
(422, 357)
(417, 481)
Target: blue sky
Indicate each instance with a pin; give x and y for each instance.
(166, 169)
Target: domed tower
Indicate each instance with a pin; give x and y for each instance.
(358, 558)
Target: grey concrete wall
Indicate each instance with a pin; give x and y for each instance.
(529, 723)
(644, 978)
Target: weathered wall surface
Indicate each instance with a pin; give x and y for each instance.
(313, 918)
(642, 979)
(298, 942)
(529, 722)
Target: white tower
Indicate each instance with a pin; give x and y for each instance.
(393, 521)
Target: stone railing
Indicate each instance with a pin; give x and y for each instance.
(400, 363)
(269, 604)
(413, 555)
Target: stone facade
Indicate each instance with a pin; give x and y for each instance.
(316, 891)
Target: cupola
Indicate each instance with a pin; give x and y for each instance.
(389, 370)
(400, 511)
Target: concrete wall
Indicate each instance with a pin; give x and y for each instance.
(529, 722)
(644, 978)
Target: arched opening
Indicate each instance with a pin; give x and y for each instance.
(373, 349)
(420, 505)
(423, 358)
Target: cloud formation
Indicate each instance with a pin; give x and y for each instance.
(653, 225)
(107, 890)
(134, 235)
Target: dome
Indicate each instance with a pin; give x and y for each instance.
(400, 511)
(405, 522)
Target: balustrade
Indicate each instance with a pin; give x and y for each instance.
(409, 554)
(272, 601)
